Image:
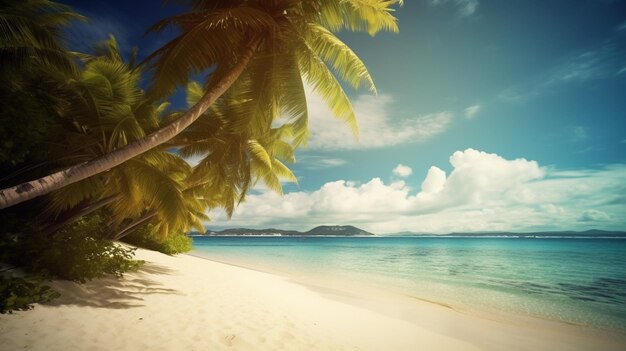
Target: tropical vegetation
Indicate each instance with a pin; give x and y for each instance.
(108, 153)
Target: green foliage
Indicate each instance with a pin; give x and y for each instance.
(30, 32)
(75, 252)
(147, 237)
(29, 114)
(31, 55)
(20, 293)
(24, 126)
(89, 110)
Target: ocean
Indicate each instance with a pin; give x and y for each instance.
(577, 281)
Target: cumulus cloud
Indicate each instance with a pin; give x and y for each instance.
(434, 181)
(333, 202)
(377, 128)
(483, 192)
(402, 171)
(471, 111)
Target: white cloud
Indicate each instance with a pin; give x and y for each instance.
(402, 171)
(483, 192)
(377, 128)
(316, 162)
(194, 160)
(464, 7)
(434, 182)
(471, 111)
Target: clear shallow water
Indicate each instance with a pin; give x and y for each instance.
(581, 281)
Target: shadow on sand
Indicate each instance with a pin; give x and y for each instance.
(113, 292)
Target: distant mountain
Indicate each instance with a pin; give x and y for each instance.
(323, 230)
(343, 230)
(348, 230)
(253, 232)
(593, 233)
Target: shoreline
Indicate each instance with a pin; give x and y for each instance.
(186, 302)
(380, 299)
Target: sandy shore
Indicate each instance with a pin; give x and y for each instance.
(189, 303)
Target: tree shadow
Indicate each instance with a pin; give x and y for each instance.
(153, 268)
(113, 292)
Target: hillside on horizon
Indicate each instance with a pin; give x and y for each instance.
(349, 230)
(322, 230)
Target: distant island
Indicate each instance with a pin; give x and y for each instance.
(323, 230)
(348, 230)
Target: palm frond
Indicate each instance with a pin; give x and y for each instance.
(292, 98)
(259, 154)
(160, 191)
(194, 93)
(72, 195)
(326, 85)
(207, 40)
(371, 16)
(282, 171)
(343, 60)
(30, 31)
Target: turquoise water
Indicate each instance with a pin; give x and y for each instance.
(580, 281)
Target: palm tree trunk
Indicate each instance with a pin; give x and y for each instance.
(129, 228)
(79, 213)
(29, 190)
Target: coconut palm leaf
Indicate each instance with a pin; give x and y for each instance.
(342, 59)
(324, 83)
(30, 32)
(213, 33)
(369, 16)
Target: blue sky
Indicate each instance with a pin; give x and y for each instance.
(491, 115)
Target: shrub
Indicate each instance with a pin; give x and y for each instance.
(20, 293)
(75, 252)
(147, 238)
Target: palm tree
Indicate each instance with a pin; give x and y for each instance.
(233, 158)
(225, 36)
(109, 111)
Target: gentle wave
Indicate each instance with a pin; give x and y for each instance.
(578, 280)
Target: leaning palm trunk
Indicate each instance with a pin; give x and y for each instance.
(29, 190)
(133, 225)
(79, 213)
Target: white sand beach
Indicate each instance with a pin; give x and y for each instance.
(190, 303)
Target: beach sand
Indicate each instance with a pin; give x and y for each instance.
(189, 303)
